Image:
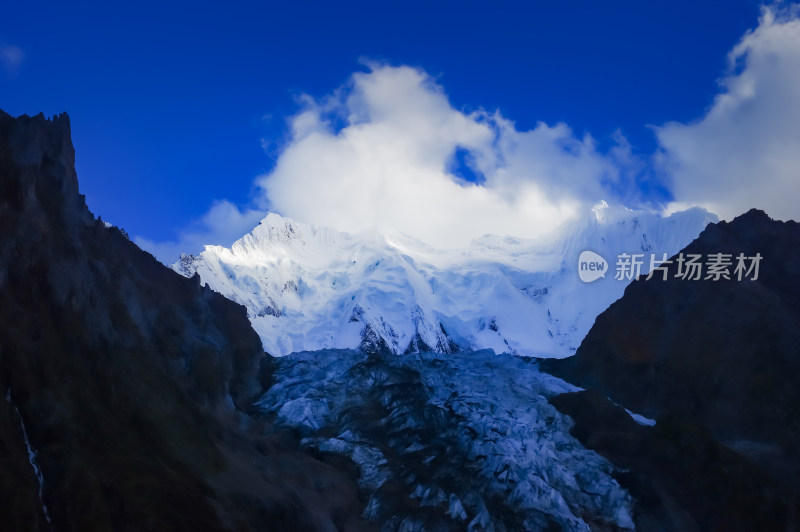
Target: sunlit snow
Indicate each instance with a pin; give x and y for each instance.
(308, 288)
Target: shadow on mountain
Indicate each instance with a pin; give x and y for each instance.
(717, 364)
(127, 387)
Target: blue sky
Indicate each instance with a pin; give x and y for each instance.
(176, 106)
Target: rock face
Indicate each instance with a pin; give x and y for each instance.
(719, 363)
(125, 385)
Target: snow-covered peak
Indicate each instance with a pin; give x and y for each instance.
(308, 287)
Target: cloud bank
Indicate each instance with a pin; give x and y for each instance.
(745, 151)
(383, 152)
(388, 151)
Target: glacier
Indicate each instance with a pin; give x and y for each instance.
(445, 442)
(309, 288)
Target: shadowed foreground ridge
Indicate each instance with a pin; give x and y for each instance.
(717, 364)
(123, 383)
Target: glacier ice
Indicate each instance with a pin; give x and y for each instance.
(466, 441)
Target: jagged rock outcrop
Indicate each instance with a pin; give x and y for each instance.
(717, 363)
(125, 385)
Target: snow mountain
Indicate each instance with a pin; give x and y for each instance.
(308, 288)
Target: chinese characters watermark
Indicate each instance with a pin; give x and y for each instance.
(688, 266)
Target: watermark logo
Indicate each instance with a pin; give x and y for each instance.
(591, 266)
(688, 267)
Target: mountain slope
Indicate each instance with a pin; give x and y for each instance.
(309, 288)
(125, 385)
(718, 363)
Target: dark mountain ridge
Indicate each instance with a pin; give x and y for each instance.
(717, 364)
(125, 384)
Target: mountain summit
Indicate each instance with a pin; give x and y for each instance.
(308, 288)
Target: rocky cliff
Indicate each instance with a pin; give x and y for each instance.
(717, 364)
(125, 385)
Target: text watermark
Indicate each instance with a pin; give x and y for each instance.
(688, 266)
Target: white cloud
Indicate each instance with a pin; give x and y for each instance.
(745, 151)
(221, 225)
(11, 57)
(379, 152)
